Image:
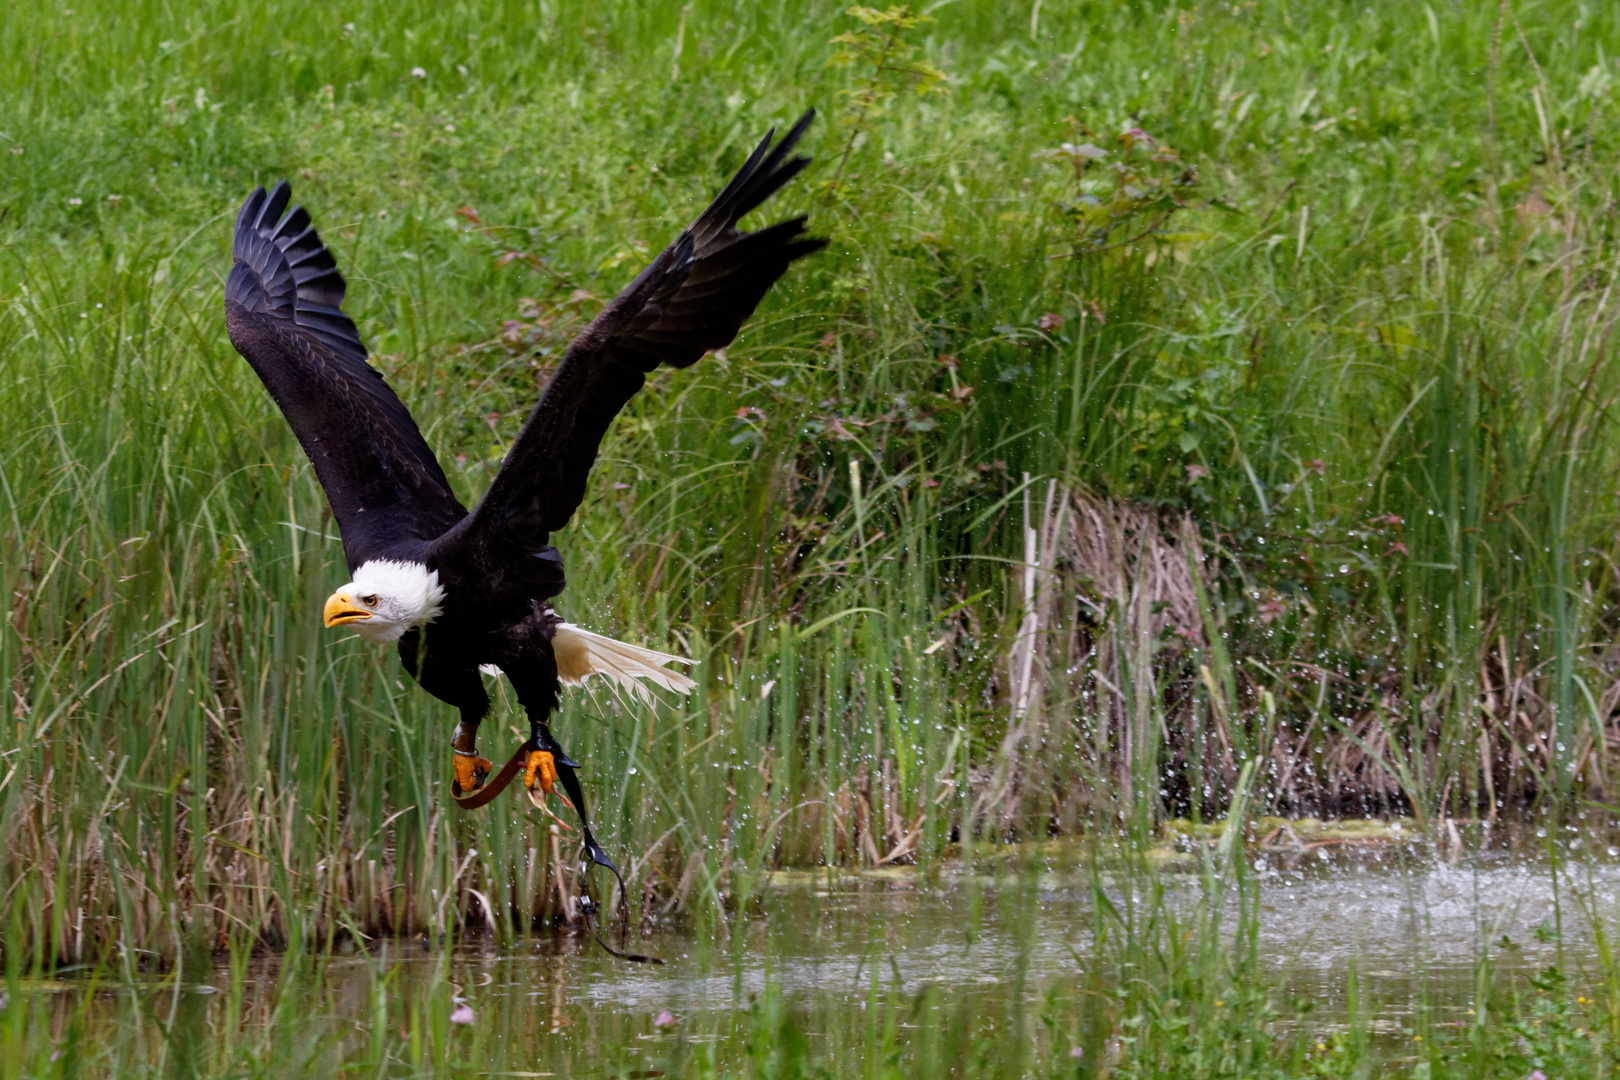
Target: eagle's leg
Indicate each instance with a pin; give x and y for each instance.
(540, 769)
(471, 768)
(536, 686)
(463, 688)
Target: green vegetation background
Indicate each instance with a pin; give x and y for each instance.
(1348, 304)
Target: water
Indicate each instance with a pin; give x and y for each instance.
(976, 953)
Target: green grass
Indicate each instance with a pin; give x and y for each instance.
(1368, 357)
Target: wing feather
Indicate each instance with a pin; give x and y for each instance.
(690, 300)
(284, 311)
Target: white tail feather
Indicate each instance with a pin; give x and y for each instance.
(581, 654)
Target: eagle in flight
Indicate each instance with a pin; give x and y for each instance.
(461, 591)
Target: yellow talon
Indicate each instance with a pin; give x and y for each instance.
(471, 772)
(540, 771)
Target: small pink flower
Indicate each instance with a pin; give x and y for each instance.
(667, 1018)
(1077, 1052)
(1537, 1075)
(1050, 321)
(1195, 473)
(462, 1014)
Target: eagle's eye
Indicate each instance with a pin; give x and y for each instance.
(369, 601)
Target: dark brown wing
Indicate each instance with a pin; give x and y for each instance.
(691, 299)
(283, 308)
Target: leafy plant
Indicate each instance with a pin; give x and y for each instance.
(1115, 191)
(878, 49)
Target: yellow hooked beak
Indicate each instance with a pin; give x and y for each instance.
(340, 609)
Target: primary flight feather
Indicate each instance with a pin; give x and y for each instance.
(456, 590)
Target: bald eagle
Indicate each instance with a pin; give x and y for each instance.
(461, 591)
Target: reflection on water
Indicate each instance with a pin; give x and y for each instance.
(991, 946)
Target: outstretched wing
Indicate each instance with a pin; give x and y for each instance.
(283, 308)
(691, 299)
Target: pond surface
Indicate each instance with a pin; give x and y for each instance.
(971, 951)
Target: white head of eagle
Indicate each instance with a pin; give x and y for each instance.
(385, 599)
